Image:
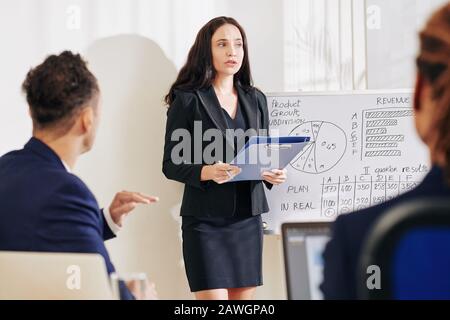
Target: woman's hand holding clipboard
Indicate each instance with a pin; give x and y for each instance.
(275, 176)
(265, 158)
(219, 172)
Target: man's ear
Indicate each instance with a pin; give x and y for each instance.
(87, 119)
(418, 91)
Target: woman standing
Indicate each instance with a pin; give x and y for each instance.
(222, 227)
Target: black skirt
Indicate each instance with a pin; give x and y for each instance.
(222, 252)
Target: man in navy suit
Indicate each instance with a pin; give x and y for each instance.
(44, 207)
(432, 120)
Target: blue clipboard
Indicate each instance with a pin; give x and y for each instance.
(262, 153)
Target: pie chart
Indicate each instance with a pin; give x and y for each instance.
(325, 150)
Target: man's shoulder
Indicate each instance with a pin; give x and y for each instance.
(26, 170)
(362, 216)
(43, 178)
(13, 156)
(361, 221)
(66, 195)
(10, 154)
(73, 180)
(67, 183)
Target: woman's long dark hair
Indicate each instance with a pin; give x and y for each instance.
(199, 72)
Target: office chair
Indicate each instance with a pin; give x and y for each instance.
(411, 246)
(53, 276)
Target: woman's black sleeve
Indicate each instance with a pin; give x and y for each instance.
(179, 167)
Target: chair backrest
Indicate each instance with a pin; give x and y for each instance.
(410, 245)
(56, 276)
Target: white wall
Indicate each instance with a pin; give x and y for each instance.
(393, 40)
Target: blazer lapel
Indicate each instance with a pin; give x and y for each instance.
(212, 107)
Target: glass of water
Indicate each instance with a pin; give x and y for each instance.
(138, 280)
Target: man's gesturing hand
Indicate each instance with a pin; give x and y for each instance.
(124, 202)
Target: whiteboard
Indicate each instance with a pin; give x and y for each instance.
(364, 150)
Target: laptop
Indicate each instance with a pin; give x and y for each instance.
(53, 276)
(303, 245)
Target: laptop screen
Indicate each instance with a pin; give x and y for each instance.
(303, 245)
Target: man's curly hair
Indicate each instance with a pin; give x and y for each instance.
(58, 88)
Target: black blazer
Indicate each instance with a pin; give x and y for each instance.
(349, 232)
(207, 198)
